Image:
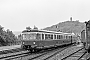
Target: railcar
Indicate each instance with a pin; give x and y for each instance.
(83, 38)
(35, 39)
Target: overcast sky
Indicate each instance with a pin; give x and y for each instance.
(18, 14)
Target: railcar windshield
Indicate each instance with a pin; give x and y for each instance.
(31, 36)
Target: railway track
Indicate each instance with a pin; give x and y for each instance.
(77, 55)
(12, 55)
(47, 54)
(87, 56)
(24, 55)
(12, 52)
(66, 53)
(62, 54)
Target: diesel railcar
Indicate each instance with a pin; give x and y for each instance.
(35, 39)
(85, 39)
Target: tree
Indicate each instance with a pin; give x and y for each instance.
(1, 28)
(20, 37)
(11, 38)
(6, 37)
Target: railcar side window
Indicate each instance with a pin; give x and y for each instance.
(62, 36)
(54, 36)
(42, 36)
(38, 36)
(69, 37)
(59, 36)
(66, 37)
(51, 36)
(46, 36)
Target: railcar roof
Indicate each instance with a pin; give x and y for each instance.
(45, 31)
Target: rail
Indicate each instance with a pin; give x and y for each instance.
(61, 53)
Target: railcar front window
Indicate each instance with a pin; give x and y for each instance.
(29, 36)
(38, 36)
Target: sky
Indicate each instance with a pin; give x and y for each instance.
(16, 15)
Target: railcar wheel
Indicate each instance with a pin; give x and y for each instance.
(32, 50)
(88, 50)
(23, 47)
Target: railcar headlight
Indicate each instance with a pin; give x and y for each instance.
(33, 42)
(22, 42)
